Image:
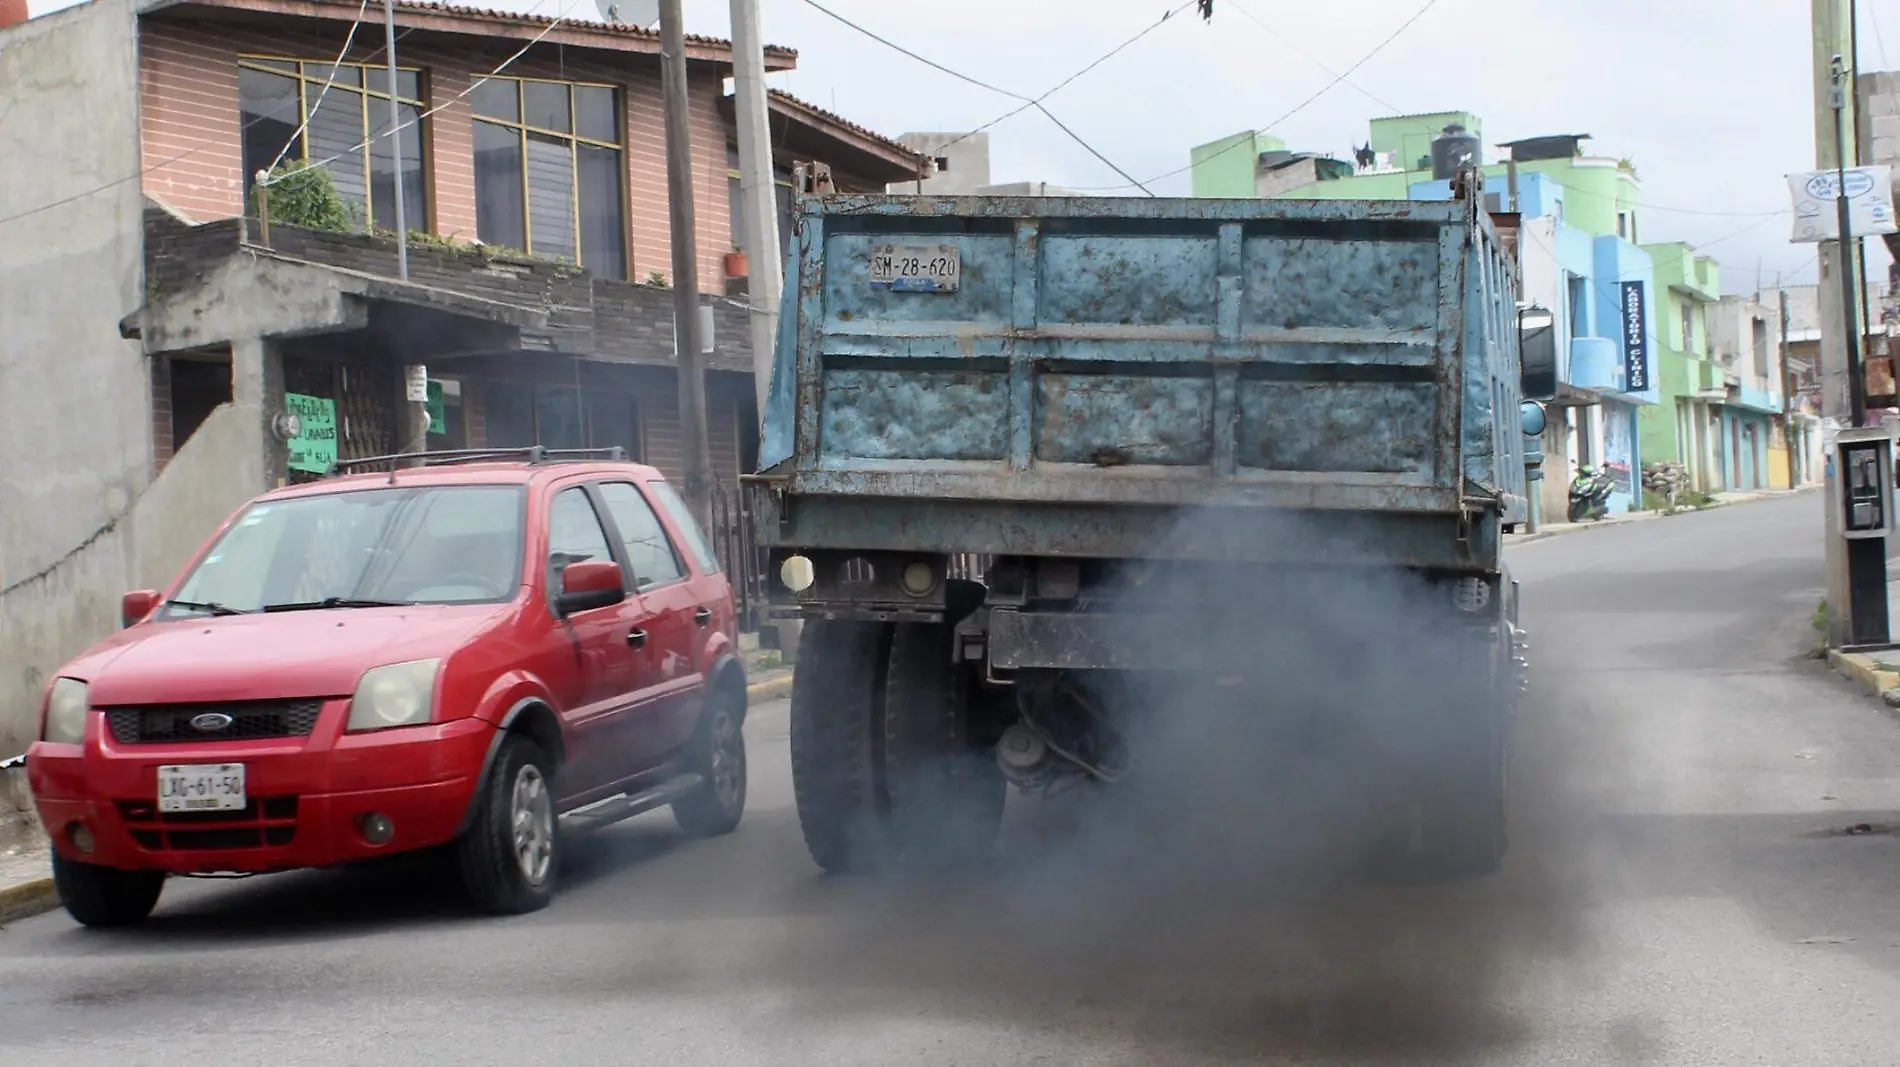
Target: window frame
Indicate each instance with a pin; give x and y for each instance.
(264, 63)
(550, 578)
(684, 565)
(521, 128)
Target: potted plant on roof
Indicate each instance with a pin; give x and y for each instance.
(735, 263)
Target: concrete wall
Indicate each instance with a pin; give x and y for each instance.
(75, 433)
(969, 160)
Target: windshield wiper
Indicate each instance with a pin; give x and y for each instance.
(212, 607)
(337, 602)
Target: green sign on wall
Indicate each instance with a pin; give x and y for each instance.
(313, 450)
(438, 419)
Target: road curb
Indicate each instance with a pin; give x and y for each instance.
(27, 899)
(1866, 671)
(777, 687)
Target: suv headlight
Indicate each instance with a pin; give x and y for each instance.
(66, 707)
(400, 694)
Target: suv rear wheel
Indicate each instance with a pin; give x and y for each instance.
(105, 896)
(717, 754)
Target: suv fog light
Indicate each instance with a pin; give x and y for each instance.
(377, 829)
(920, 578)
(81, 836)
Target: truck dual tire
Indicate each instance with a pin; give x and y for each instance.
(883, 771)
(1452, 816)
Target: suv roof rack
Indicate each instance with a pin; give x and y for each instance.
(450, 457)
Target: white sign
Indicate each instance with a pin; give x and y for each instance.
(1869, 203)
(916, 268)
(416, 380)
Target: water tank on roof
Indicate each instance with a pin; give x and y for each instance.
(1454, 149)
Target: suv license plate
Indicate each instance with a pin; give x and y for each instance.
(201, 787)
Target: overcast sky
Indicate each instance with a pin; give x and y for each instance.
(1711, 99)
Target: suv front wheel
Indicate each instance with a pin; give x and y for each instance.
(105, 896)
(511, 853)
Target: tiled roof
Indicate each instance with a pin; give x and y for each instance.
(869, 134)
(514, 18)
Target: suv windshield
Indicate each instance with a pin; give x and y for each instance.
(401, 545)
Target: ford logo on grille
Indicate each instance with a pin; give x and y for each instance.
(211, 722)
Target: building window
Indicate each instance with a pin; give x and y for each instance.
(277, 96)
(549, 171)
(782, 186)
(561, 416)
(1576, 292)
(1623, 225)
(1688, 326)
(1759, 341)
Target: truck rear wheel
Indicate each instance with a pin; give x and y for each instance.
(836, 699)
(944, 793)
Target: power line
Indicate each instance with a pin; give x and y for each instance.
(1028, 102)
(1105, 57)
(336, 65)
(1302, 105)
(212, 142)
(1295, 49)
(472, 86)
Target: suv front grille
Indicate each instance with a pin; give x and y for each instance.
(248, 721)
(265, 822)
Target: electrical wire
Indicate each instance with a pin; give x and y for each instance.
(336, 65)
(1295, 49)
(210, 142)
(472, 86)
(1028, 102)
(1302, 105)
(1059, 86)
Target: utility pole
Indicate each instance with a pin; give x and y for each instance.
(1787, 393)
(1841, 87)
(766, 282)
(1834, 107)
(395, 142)
(679, 194)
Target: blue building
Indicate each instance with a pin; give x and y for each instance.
(1602, 289)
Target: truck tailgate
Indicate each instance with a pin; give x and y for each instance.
(1158, 352)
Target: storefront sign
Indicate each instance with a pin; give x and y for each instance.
(313, 448)
(1817, 196)
(438, 417)
(1635, 340)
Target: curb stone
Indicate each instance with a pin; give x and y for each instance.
(1877, 677)
(776, 686)
(27, 899)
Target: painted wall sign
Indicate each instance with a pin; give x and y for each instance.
(1635, 340)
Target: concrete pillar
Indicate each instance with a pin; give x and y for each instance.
(257, 389)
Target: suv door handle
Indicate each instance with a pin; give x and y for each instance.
(636, 638)
(702, 616)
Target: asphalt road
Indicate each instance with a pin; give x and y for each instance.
(1673, 896)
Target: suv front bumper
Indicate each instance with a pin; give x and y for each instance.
(307, 797)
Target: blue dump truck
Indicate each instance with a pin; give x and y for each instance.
(1042, 474)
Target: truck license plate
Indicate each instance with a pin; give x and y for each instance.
(916, 268)
(201, 787)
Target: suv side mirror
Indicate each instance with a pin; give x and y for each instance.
(134, 606)
(590, 584)
(1537, 353)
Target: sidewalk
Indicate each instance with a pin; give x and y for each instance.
(1723, 499)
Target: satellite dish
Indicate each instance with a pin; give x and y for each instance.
(643, 13)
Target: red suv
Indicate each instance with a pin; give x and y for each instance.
(472, 653)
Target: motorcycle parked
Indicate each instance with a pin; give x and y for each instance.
(1590, 493)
